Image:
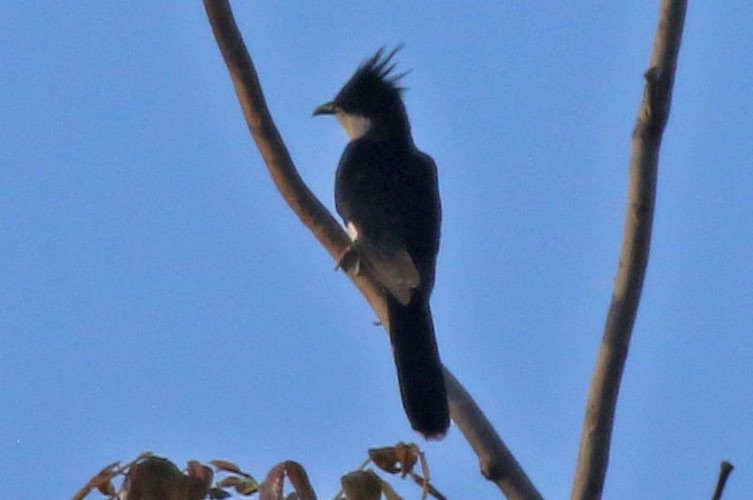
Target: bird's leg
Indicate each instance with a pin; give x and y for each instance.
(349, 260)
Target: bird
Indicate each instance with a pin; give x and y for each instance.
(387, 193)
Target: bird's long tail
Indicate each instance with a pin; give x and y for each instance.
(419, 368)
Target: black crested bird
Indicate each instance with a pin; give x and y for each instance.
(386, 192)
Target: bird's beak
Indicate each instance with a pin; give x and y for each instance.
(329, 108)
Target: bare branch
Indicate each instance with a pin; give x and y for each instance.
(652, 117)
(724, 472)
(497, 462)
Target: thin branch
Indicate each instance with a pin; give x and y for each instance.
(724, 472)
(652, 118)
(497, 462)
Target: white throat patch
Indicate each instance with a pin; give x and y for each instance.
(355, 126)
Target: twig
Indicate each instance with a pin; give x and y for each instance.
(505, 470)
(593, 457)
(724, 472)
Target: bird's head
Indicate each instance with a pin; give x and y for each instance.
(370, 101)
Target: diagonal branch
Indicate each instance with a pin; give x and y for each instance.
(497, 463)
(724, 472)
(593, 457)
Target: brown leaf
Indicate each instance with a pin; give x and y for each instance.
(200, 471)
(393, 459)
(218, 494)
(226, 466)
(271, 488)
(385, 458)
(229, 482)
(104, 478)
(247, 487)
(109, 469)
(159, 478)
(243, 485)
(300, 480)
(362, 485)
(407, 455)
(106, 488)
(153, 478)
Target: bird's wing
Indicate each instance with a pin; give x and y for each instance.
(369, 197)
(391, 265)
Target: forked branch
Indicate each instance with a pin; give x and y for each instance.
(497, 463)
(593, 457)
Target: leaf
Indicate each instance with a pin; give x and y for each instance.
(408, 455)
(103, 480)
(300, 480)
(247, 487)
(393, 459)
(226, 466)
(154, 478)
(362, 485)
(106, 488)
(229, 482)
(200, 471)
(243, 485)
(385, 458)
(271, 488)
(216, 493)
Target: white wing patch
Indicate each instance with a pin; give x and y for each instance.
(352, 231)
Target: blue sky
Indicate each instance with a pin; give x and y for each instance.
(157, 294)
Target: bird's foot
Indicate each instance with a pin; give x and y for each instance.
(349, 260)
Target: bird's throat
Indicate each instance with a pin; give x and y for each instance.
(356, 126)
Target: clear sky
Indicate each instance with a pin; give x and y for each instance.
(157, 294)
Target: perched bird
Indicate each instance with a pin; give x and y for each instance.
(387, 194)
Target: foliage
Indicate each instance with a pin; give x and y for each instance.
(149, 477)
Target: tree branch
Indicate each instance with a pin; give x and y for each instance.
(724, 472)
(593, 457)
(496, 460)
(497, 463)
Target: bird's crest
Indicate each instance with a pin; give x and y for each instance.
(380, 67)
(372, 80)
